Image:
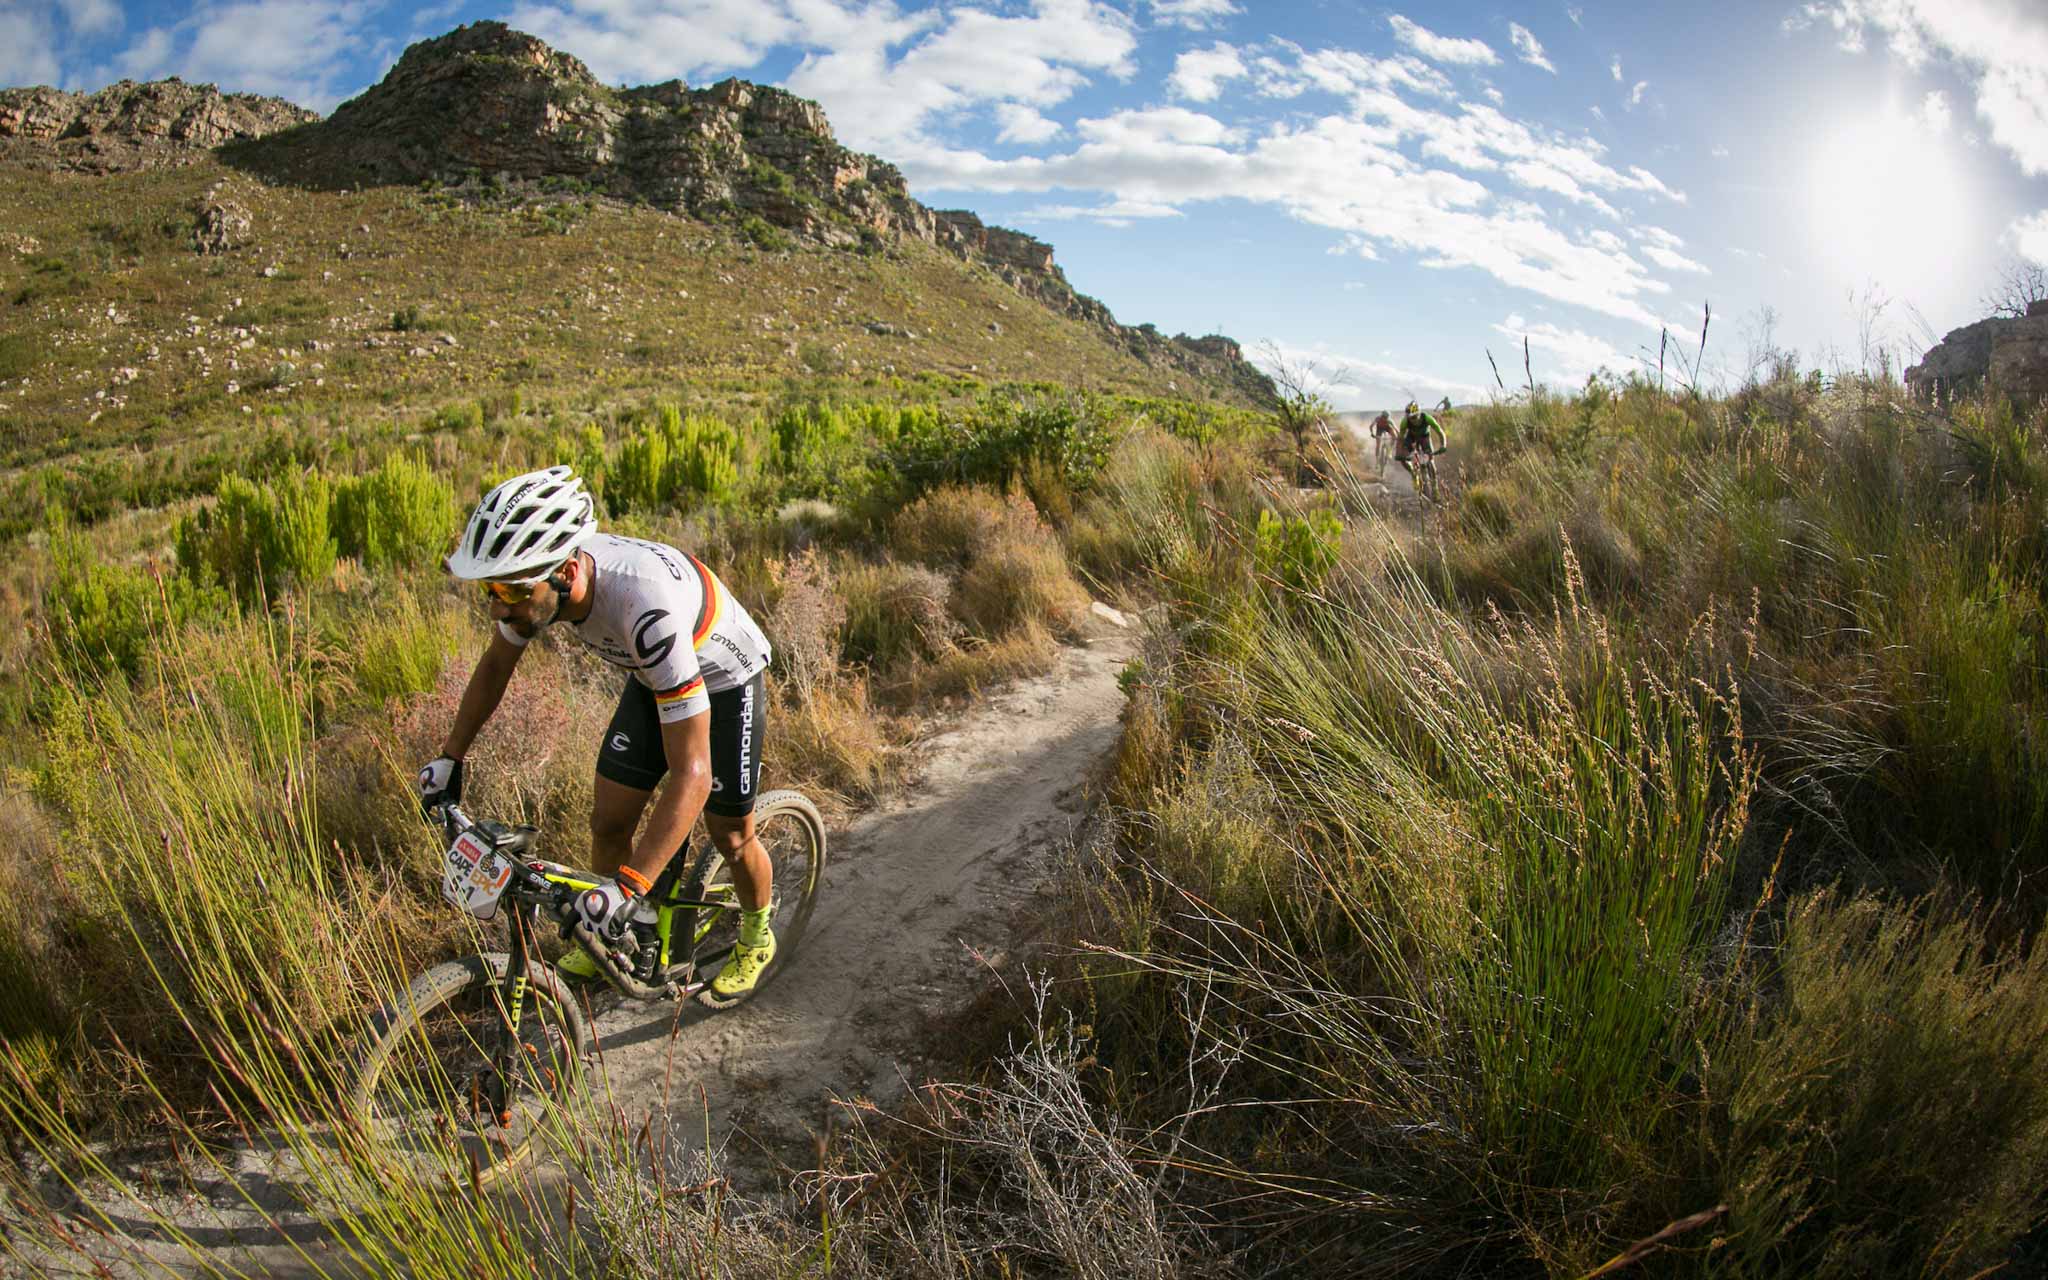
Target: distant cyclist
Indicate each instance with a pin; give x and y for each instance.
(1382, 437)
(692, 708)
(1416, 428)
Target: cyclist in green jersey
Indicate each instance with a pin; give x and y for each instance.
(1416, 429)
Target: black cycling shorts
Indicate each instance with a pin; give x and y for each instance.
(633, 756)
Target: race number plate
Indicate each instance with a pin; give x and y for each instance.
(475, 876)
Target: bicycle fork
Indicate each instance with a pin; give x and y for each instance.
(493, 1090)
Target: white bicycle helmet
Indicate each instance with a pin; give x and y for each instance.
(525, 527)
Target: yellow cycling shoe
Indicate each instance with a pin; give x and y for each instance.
(742, 972)
(577, 966)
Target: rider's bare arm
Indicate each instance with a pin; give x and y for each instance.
(486, 687)
(687, 744)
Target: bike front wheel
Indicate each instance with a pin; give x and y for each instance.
(793, 834)
(440, 1084)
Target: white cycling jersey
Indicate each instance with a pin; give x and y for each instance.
(664, 617)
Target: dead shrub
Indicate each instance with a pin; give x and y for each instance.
(835, 746)
(1019, 582)
(535, 759)
(894, 612)
(956, 525)
(1027, 650)
(805, 624)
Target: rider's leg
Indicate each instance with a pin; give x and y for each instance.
(752, 874)
(615, 811)
(631, 762)
(738, 726)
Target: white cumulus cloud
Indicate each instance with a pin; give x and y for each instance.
(1117, 213)
(1195, 14)
(1451, 49)
(1200, 74)
(1529, 48)
(2001, 45)
(1635, 95)
(885, 102)
(1575, 352)
(1935, 111)
(28, 49)
(1614, 68)
(299, 50)
(2030, 236)
(1016, 122)
(1350, 381)
(91, 17)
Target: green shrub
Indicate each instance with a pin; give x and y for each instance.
(819, 452)
(1299, 551)
(1885, 1112)
(399, 516)
(111, 618)
(1071, 436)
(257, 539)
(49, 276)
(467, 415)
(674, 459)
(763, 234)
(20, 354)
(412, 319)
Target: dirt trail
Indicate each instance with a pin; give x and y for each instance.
(914, 895)
(1392, 481)
(911, 894)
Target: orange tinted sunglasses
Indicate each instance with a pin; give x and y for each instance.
(509, 592)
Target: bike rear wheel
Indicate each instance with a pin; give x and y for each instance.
(427, 1087)
(791, 830)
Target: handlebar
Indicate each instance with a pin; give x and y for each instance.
(454, 822)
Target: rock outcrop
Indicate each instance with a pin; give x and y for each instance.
(488, 102)
(130, 126)
(2006, 355)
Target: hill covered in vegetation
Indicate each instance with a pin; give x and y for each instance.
(491, 221)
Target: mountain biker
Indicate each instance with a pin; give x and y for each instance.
(1382, 435)
(1416, 426)
(693, 706)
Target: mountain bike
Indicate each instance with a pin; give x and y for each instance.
(1422, 470)
(470, 1062)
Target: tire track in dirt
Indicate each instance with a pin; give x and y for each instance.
(911, 893)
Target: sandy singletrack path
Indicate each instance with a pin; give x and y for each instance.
(920, 898)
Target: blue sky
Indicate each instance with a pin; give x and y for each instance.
(1384, 193)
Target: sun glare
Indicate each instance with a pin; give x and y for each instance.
(1888, 199)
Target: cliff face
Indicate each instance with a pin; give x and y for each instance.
(488, 100)
(2006, 354)
(132, 126)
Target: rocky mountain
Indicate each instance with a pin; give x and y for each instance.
(497, 106)
(131, 126)
(2006, 354)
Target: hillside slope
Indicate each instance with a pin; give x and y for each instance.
(551, 235)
